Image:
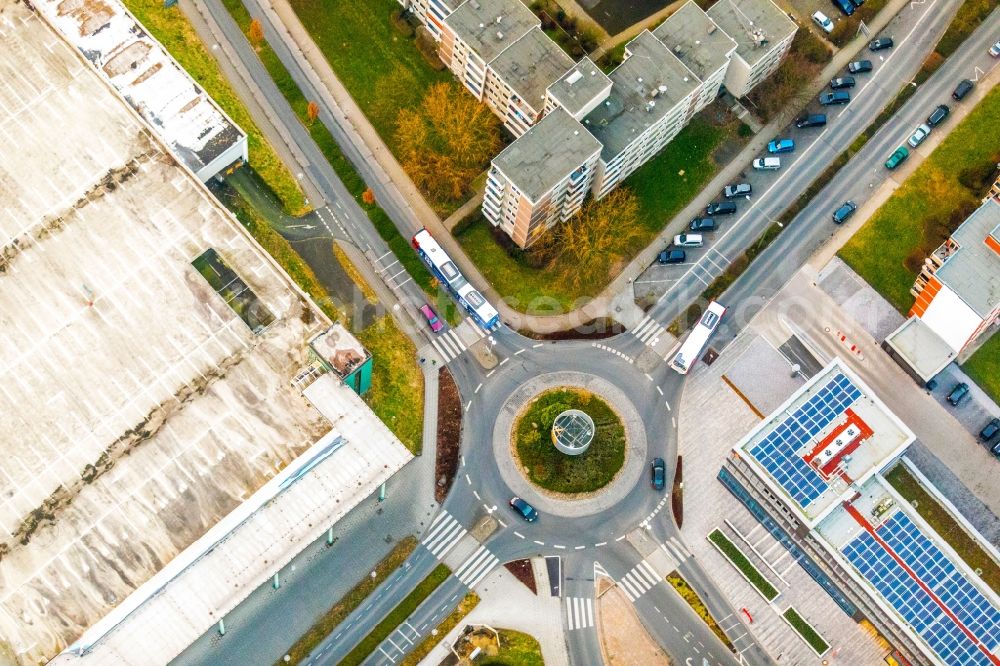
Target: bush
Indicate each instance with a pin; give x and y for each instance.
(744, 130)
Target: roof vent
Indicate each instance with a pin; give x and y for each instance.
(712, 27)
(639, 79)
(663, 89)
(685, 79)
(498, 19)
(482, 25)
(573, 78)
(499, 35)
(649, 105)
(677, 49)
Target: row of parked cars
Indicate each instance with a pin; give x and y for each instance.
(676, 253)
(990, 434)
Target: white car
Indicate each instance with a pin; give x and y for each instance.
(688, 240)
(995, 49)
(823, 21)
(767, 163)
(919, 135)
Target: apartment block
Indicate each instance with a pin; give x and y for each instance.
(542, 178)
(431, 13)
(579, 90)
(763, 34)
(517, 79)
(651, 96)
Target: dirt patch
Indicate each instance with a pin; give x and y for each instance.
(449, 434)
(595, 329)
(677, 493)
(624, 641)
(523, 572)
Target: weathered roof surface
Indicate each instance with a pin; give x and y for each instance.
(579, 86)
(490, 26)
(973, 271)
(546, 154)
(921, 348)
(645, 87)
(696, 39)
(531, 65)
(756, 25)
(340, 349)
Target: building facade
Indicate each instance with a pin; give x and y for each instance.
(763, 34)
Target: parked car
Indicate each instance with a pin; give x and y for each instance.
(841, 214)
(958, 394)
(658, 474)
(767, 163)
(720, 208)
(938, 115)
(431, 317)
(525, 510)
(995, 449)
(838, 97)
(990, 431)
(845, 6)
(688, 240)
(812, 120)
(671, 256)
(859, 66)
(780, 146)
(880, 44)
(918, 135)
(823, 22)
(702, 224)
(737, 190)
(842, 82)
(963, 88)
(995, 49)
(857, 3)
(898, 157)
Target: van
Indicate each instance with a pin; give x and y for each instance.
(767, 163)
(812, 120)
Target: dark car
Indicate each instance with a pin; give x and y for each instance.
(671, 256)
(737, 190)
(995, 449)
(990, 431)
(702, 224)
(839, 97)
(958, 394)
(857, 3)
(963, 88)
(812, 120)
(526, 510)
(880, 44)
(658, 474)
(842, 82)
(841, 214)
(845, 6)
(938, 115)
(720, 208)
(859, 66)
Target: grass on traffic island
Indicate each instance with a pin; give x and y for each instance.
(425, 646)
(549, 468)
(942, 521)
(687, 593)
(516, 649)
(340, 610)
(396, 616)
(753, 575)
(806, 631)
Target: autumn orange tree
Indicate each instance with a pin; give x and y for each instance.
(312, 111)
(446, 141)
(255, 33)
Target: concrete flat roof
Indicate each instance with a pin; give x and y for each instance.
(138, 409)
(140, 69)
(756, 25)
(340, 349)
(491, 26)
(696, 40)
(579, 86)
(973, 271)
(531, 65)
(645, 87)
(921, 348)
(546, 153)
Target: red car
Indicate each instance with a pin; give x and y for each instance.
(431, 318)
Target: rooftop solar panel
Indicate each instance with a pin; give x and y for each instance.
(778, 451)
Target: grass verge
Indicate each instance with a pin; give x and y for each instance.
(516, 649)
(984, 368)
(340, 610)
(425, 646)
(396, 616)
(753, 575)
(941, 520)
(890, 248)
(806, 631)
(397, 392)
(698, 606)
(171, 28)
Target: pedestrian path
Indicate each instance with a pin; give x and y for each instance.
(443, 534)
(454, 341)
(639, 580)
(675, 550)
(579, 613)
(476, 567)
(649, 331)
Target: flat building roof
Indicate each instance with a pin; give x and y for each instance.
(973, 270)
(696, 40)
(531, 65)
(920, 348)
(756, 25)
(491, 26)
(580, 86)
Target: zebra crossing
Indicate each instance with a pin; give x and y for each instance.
(675, 549)
(450, 344)
(476, 567)
(443, 534)
(579, 613)
(649, 331)
(639, 580)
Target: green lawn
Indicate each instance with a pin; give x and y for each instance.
(891, 246)
(984, 368)
(944, 524)
(805, 630)
(548, 467)
(516, 649)
(740, 561)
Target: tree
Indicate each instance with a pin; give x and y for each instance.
(312, 111)
(255, 33)
(446, 141)
(368, 196)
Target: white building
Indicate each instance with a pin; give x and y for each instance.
(763, 34)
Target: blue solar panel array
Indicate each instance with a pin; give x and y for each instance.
(777, 452)
(940, 575)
